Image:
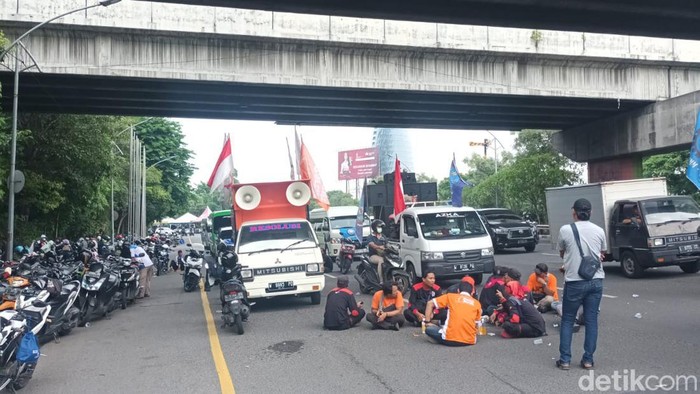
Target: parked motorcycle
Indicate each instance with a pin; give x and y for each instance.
(235, 307)
(162, 253)
(14, 325)
(192, 273)
(346, 254)
(129, 283)
(100, 290)
(393, 270)
(59, 299)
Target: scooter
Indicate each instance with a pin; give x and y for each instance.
(99, 290)
(129, 283)
(192, 273)
(162, 253)
(346, 254)
(13, 326)
(392, 268)
(59, 298)
(235, 307)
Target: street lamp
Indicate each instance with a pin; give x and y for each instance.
(487, 144)
(15, 99)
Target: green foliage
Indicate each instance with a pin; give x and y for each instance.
(422, 177)
(339, 198)
(202, 198)
(672, 166)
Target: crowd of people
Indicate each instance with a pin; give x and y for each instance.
(452, 317)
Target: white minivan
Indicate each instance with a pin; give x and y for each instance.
(332, 225)
(449, 241)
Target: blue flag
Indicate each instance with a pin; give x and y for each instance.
(693, 171)
(360, 219)
(457, 184)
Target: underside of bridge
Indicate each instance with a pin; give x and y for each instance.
(669, 18)
(303, 105)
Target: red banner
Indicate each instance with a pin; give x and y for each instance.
(358, 164)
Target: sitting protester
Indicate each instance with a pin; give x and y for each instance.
(512, 279)
(543, 287)
(421, 293)
(387, 308)
(489, 299)
(342, 311)
(520, 319)
(467, 278)
(462, 313)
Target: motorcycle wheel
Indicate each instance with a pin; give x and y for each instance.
(345, 265)
(123, 303)
(238, 323)
(73, 320)
(403, 281)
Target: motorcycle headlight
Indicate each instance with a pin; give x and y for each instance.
(487, 252)
(96, 286)
(335, 240)
(246, 274)
(431, 255)
(499, 230)
(314, 267)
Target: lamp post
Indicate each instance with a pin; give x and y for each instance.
(487, 144)
(15, 102)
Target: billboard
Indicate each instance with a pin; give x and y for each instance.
(358, 163)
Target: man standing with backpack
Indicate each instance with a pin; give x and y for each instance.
(581, 245)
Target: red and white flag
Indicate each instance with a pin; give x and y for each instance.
(224, 167)
(399, 203)
(308, 170)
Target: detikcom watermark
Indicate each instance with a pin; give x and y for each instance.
(629, 380)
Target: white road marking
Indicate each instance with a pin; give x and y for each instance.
(604, 295)
(551, 254)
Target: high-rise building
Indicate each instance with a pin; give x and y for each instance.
(392, 143)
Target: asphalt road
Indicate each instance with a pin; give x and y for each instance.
(161, 345)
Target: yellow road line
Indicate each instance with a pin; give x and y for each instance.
(219, 361)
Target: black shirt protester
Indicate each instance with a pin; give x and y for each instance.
(342, 311)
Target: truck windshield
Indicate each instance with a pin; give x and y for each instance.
(670, 209)
(220, 221)
(446, 225)
(346, 221)
(274, 235)
(226, 234)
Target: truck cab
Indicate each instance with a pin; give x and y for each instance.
(450, 241)
(655, 232)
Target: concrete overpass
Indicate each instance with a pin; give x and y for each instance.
(669, 18)
(160, 59)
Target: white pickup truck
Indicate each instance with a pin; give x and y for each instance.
(449, 241)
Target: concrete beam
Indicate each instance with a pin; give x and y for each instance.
(660, 127)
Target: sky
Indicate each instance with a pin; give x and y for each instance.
(260, 150)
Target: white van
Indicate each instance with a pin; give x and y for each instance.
(329, 225)
(451, 242)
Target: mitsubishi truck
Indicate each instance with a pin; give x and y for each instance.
(644, 226)
(449, 241)
(275, 243)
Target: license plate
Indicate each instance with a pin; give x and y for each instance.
(464, 267)
(279, 286)
(688, 248)
(93, 275)
(231, 297)
(522, 241)
(361, 251)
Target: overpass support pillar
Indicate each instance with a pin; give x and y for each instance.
(615, 169)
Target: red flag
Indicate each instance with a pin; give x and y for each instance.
(399, 203)
(224, 166)
(308, 170)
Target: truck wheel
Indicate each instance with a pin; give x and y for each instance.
(316, 298)
(478, 278)
(530, 248)
(691, 268)
(412, 276)
(630, 265)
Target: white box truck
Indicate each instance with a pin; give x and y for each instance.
(644, 226)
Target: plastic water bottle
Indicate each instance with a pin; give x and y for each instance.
(422, 326)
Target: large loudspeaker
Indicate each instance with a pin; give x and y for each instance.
(377, 195)
(298, 194)
(412, 189)
(406, 177)
(428, 191)
(248, 197)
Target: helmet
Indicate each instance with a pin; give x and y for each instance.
(19, 249)
(43, 236)
(66, 242)
(377, 224)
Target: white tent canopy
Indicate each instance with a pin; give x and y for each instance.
(186, 218)
(167, 220)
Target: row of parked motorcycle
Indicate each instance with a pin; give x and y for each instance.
(47, 294)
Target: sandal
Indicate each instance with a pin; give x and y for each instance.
(563, 366)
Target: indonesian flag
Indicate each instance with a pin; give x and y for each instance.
(308, 170)
(399, 203)
(224, 167)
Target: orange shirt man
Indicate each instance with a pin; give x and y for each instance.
(387, 308)
(544, 287)
(462, 313)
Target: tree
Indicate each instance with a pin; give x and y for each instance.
(163, 140)
(422, 177)
(671, 166)
(202, 197)
(339, 198)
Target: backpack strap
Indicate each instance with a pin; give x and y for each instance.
(577, 238)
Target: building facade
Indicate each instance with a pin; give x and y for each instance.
(392, 143)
